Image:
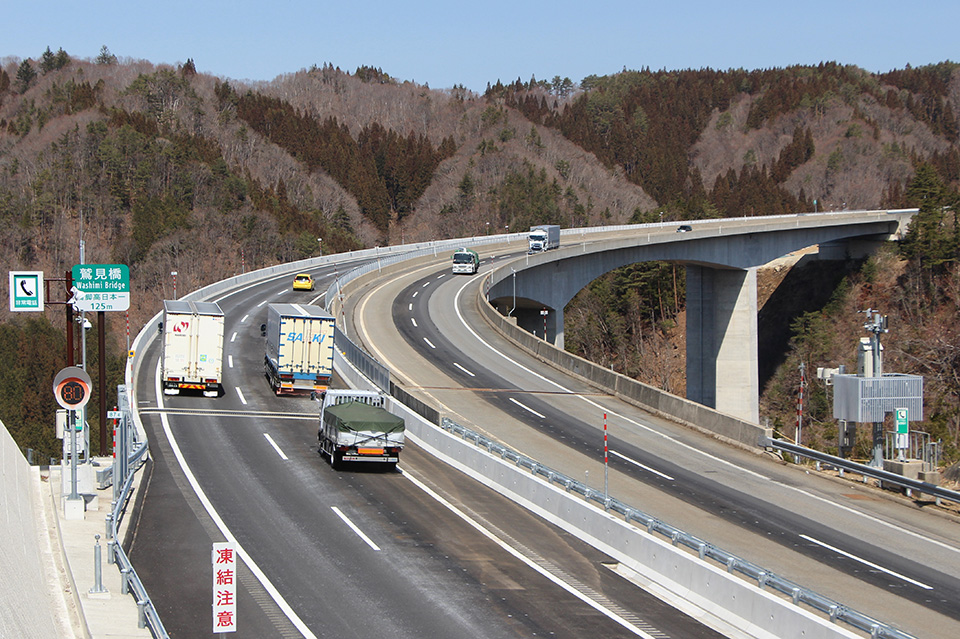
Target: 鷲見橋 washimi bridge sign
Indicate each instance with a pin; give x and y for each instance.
(101, 287)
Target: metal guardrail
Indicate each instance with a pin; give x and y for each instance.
(129, 581)
(733, 564)
(861, 469)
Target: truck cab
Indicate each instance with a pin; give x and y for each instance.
(466, 261)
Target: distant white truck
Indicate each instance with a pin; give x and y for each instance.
(355, 426)
(543, 238)
(466, 261)
(299, 349)
(192, 355)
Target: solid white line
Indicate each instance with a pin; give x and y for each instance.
(244, 319)
(429, 343)
(414, 320)
(636, 463)
(527, 408)
(243, 399)
(353, 526)
(867, 563)
(218, 521)
(233, 337)
(230, 360)
(464, 370)
(546, 573)
(275, 447)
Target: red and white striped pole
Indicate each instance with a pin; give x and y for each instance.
(606, 463)
(800, 405)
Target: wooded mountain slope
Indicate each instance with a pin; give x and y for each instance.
(171, 170)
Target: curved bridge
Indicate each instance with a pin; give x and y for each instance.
(721, 259)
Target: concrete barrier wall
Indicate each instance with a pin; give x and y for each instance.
(725, 602)
(27, 607)
(702, 418)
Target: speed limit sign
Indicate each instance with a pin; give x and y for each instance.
(71, 387)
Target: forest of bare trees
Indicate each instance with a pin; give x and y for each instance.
(169, 170)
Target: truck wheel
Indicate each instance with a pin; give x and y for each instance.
(336, 460)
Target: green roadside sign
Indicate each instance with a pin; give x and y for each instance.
(26, 291)
(101, 287)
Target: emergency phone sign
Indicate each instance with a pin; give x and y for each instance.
(224, 558)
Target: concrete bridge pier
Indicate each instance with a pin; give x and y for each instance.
(722, 340)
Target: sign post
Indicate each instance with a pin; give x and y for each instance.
(26, 291)
(71, 387)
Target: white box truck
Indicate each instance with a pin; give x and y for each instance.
(543, 238)
(299, 351)
(192, 355)
(355, 426)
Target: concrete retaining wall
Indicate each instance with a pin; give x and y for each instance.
(27, 608)
(723, 601)
(702, 418)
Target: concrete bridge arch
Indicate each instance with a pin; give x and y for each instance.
(721, 259)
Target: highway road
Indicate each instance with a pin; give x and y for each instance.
(424, 552)
(895, 562)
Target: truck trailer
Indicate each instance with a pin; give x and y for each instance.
(299, 349)
(466, 261)
(355, 426)
(192, 355)
(543, 238)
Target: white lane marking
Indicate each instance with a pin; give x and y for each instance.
(244, 319)
(218, 521)
(867, 563)
(527, 408)
(441, 276)
(261, 303)
(414, 320)
(425, 284)
(464, 370)
(243, 399)
(230, 360)
(275, 447)
(415, 293)
(353, 527)
(596, 605)
(410, 306)
(689, 448)
(233, 337)
(429, 343)
(643, 466)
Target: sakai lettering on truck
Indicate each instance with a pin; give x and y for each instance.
(298, 337)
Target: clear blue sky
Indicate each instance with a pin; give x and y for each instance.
(472, 43)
